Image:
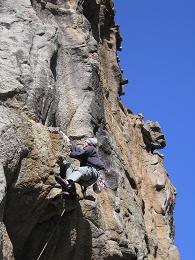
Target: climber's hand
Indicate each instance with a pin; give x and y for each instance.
(65, 137)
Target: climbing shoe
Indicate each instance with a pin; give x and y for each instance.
(68, 187)
(65, 194)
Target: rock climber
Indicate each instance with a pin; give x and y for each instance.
(88, 172)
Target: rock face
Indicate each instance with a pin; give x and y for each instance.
(59, 68)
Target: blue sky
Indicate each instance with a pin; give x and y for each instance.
(158, 58)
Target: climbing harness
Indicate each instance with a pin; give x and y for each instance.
(101, 182)
(52, 233)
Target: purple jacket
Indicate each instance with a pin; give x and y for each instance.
(87, 156)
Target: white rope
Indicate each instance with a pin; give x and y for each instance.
(42, 251)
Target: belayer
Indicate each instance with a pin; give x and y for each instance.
(87, 174)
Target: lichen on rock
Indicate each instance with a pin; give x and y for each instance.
(59, 68)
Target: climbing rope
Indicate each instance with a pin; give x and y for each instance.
(42, 251)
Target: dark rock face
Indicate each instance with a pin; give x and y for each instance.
(59, 68)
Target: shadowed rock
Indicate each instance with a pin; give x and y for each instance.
(153, 136)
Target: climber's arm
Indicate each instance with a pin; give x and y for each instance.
(77, 152)
(65, 137)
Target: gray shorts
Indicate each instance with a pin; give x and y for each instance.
(85, 175)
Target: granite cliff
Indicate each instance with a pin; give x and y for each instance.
(59, 68)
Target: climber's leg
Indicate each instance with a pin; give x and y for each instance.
(89, 176)
(63, 169)
(85, 176)
(73, 173)
(71, 189)
(78, 173)
(84, 173)
(68, 187)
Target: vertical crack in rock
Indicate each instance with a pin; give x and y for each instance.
(91, 10)
(53, 64)
(131, 181)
